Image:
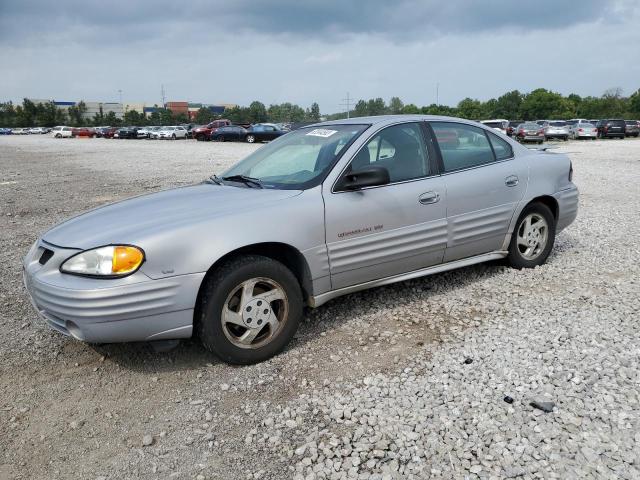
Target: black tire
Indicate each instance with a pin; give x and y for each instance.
(217, 288)
(250, 138)
(221, 138)
(515, 257)
(566, 139)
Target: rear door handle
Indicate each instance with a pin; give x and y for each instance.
(511, 181)
(429, 197)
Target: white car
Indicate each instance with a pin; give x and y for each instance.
(583, 130)
(171, 133)
(499, 124)
(144, 132)
(61, 132)
(38, 130)
(20, 131)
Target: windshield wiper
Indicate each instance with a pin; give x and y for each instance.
(248, 181)
(215, 179)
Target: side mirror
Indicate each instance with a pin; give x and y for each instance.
(365, 177)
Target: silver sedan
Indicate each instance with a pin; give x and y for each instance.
(322, 211)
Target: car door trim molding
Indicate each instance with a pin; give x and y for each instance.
(317, 300)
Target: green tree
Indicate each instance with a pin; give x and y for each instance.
(257, 112)
(634, 105)
(111, 119)
(508, 105)
(314, 113)
(361, 109)
(410, 109)
(77, 114)
(376, 107)
(471, 109)
(204, 116)
(395, 106)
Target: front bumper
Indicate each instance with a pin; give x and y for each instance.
(133, 308)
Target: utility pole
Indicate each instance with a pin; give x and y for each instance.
(162, 94)
(437, 94)
(120, 95)
(347, 103)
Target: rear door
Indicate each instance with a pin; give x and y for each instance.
(484, 183)
(387, 230)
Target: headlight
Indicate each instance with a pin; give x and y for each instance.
(109, 261)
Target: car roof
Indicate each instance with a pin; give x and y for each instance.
(380, 120)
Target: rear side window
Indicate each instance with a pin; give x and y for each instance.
(462, 146)
(501, 147)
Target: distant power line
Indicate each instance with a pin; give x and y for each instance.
(347, 103)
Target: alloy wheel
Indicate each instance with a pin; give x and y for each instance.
(254, 312)
(532, 236)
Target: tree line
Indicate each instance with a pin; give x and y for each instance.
(536, 105)
(515, 105)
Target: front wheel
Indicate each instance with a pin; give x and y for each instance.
(249, 310)
(58, 135)
(533, 237)
(250, 139)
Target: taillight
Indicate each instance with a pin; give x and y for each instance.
(540, 132)
(580, 130)
(570, 171)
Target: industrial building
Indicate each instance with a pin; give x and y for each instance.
(120, 109)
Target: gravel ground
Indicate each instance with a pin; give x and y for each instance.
(430, 361)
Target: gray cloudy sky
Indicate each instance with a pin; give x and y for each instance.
(308, 50)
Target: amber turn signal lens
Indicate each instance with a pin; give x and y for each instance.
(126, 259)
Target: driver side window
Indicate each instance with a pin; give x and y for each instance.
(400, 149)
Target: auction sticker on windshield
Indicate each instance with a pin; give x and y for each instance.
(321, 132)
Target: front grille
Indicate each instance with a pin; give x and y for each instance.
(46, 256)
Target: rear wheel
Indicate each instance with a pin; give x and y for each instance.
(58, 135)
(250, 309)
(221, 138)
(533, 237)
(250, 139)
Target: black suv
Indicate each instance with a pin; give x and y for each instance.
(611, 128)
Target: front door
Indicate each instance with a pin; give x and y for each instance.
(386, 230)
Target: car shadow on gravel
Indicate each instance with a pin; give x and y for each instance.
(327, 319)
(323, 321)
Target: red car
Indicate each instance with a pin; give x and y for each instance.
(204, 133)
(109, 132)
(83, 132)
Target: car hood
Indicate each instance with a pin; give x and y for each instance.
(131, 221)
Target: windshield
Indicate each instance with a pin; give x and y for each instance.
(558, 124)
(299, 159)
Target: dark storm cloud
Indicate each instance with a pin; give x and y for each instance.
(118, 22)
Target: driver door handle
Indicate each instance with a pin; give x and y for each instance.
(429, 197)
(511, 181)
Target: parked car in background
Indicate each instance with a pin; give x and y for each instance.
(171, 132)
(575, 121)
(530, 132)
(614, 128)
(513, 126)
(230, 133)
(127, 132)
(39, 130)
(20, 131)
(500, 125)
(144, 132)
(583, 130)
(204, 133)
(109, 132)
(556, 129)
(62, 132)
(363, 203)
(83, 132)
(633, 128)
(263, 132)
(5, 131)
(593, 121)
